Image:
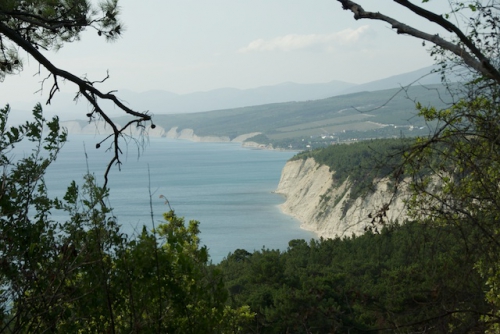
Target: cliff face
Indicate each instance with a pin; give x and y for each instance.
(324, 207)
(100, 127)
(188, 134)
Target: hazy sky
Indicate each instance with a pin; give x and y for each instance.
(184, 46)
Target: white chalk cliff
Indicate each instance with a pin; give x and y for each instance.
(323, 206)
(100, 127)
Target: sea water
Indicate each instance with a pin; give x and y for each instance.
(229, 189)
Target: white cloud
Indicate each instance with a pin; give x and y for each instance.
(293, 42)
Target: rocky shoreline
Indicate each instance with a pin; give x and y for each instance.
(324, 207)
(100, 127)
(312, 195)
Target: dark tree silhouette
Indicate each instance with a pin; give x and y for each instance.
(37, 26)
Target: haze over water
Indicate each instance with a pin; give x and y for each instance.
(224, 186)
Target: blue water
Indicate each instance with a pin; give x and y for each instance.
(224, 186)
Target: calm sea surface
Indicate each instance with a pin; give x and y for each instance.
(224, 186)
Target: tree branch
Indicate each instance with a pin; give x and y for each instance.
(441, 21)
(477, 61)
(85, 88)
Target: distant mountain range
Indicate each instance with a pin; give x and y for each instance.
(424, 76)
(163, 102)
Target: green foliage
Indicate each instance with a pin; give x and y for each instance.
(34, 25)
(51, 23)
(455, 177)
(453, 173)
(409, 278)
(362, 164)
(166, 275)
(260, 138)
(84, 275)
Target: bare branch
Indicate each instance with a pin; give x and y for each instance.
(85, 88)
(476, 60)
(441, 21)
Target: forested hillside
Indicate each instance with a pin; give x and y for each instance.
(436, 271)
(412, 278)
(407, 277)
(84, 274)
(363, 162)
(299, 125)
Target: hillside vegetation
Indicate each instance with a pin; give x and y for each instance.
(296, 125)
(407, 279)
(361, 162)
(85, 275)
(346, 189)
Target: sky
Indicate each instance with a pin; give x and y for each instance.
(184, 46)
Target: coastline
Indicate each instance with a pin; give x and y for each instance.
(312, 197)
(101, 128)
(225, 187)
(325, 207)
(295, 216)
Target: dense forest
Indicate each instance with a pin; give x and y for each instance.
(410, 278)
(84, 274)
(404, 277)
(437, 272)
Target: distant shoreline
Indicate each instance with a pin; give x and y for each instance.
(101, 128)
